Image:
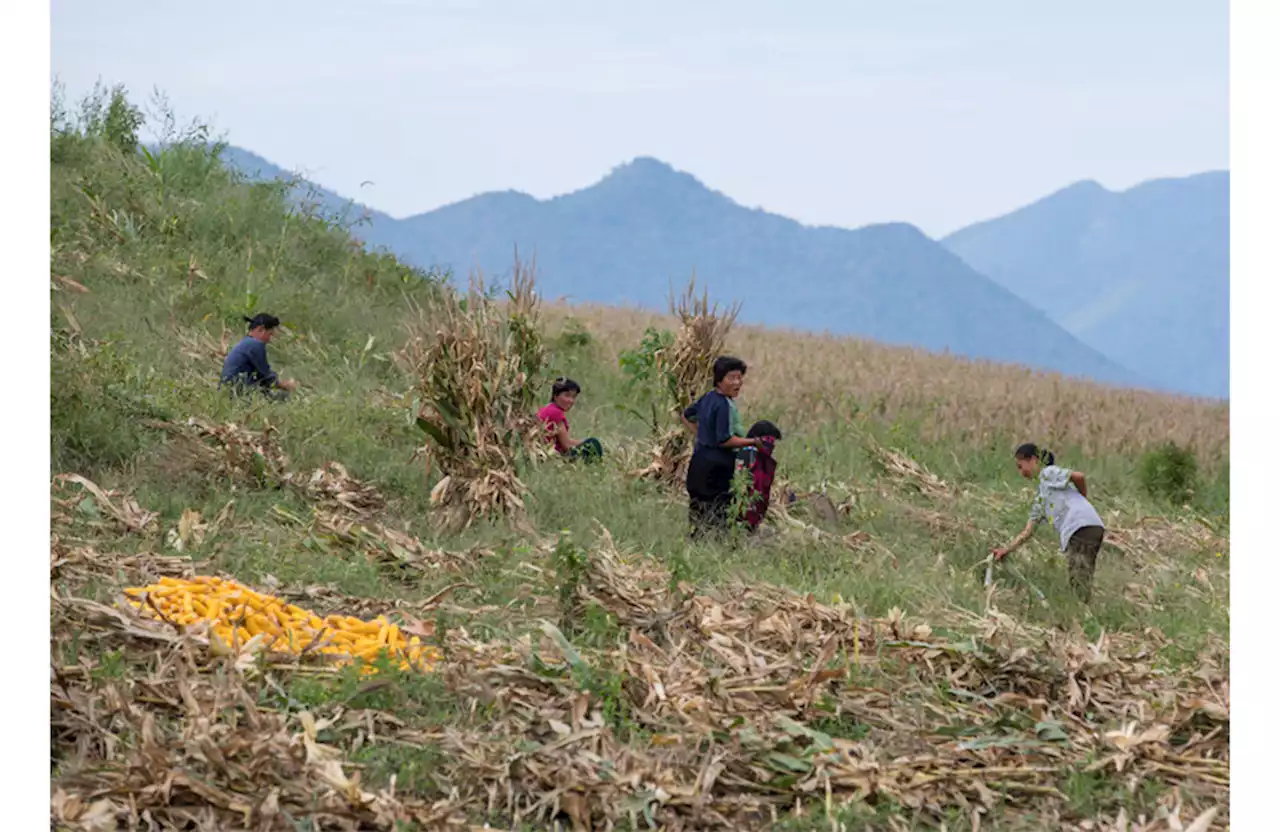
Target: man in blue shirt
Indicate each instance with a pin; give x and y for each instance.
(246, 367)
(719, 437)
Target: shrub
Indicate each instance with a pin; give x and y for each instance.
(575, 335)
(640, 365)
(1169, 472)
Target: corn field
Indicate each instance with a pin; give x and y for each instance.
(809, 380)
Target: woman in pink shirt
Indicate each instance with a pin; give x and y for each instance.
(564, 394)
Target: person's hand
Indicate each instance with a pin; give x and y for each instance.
(287, 384)
(758, 443)
(998, 553)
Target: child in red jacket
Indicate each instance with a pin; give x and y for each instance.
(762, 466)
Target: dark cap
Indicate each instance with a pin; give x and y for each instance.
(264, 320)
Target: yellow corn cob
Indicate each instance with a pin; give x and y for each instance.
(236, 615)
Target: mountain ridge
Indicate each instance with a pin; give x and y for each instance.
(646, 226)
(1142, 275)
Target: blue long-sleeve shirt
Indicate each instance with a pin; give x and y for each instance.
(246, 363)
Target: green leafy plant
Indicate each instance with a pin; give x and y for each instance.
(575, 335)
(568, 566)
(641, 366)
(1169, 472)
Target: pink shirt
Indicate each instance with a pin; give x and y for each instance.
(552, 415)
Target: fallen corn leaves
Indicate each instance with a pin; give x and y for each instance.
(240, 620)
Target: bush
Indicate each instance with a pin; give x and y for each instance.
(575, 336)
(1169, 472)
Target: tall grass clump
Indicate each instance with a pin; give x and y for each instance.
(478, 365)
(1169, 472)
(683, 371)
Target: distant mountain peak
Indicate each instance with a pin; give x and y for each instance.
(1140, 274)
(646, 166)
(1085, 186)
(651, 173)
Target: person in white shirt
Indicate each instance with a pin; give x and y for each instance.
(1062, 499)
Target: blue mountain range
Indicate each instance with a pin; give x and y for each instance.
(646, 227)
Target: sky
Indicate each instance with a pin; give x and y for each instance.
(833, 113)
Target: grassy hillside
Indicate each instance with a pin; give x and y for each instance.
(849, 670)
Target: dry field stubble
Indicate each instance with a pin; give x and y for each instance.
(809, 379)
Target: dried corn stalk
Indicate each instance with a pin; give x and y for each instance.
(332, 485)
(769, 670)
(686, 367)
(906, 470)
(477, 381)
(232, 451)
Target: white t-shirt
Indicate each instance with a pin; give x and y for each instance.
(1058, 501)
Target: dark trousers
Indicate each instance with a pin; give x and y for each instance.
(1082, 559)
(589, 450)
(244, 389)
(710, 486)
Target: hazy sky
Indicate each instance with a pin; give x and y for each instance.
(841, 113)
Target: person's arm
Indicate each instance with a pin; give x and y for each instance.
(1035, 518)
(690, 417)
(562, 436)
(1023, 537)
(1078, 479)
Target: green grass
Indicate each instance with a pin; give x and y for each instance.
(173, 248)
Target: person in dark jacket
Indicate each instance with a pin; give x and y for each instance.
(245, 367)
(719, 436)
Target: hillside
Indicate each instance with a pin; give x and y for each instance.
(644, 227)
(304, 192)
(258, 618)
(1142, 276)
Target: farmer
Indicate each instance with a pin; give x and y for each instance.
(564, 394)
(762, 467)
(1061, 497)
(719, 436)
(246, 368)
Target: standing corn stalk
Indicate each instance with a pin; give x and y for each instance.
(523, 337)
(686, 372)
(477, 382)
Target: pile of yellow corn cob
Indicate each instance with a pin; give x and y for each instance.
(240, 619)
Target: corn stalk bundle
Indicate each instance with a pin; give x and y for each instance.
(477, 384)
(686, 368)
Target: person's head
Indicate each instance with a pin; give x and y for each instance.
(1029, 457)
(728, 373)
(564, 393)
(262, 326)
(764, 428)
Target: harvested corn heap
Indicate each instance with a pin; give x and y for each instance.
(241, 620)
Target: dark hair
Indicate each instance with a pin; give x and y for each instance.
(1029, 450)
(564, 385)
(264, 320)
(764, 428)
(726, 364)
